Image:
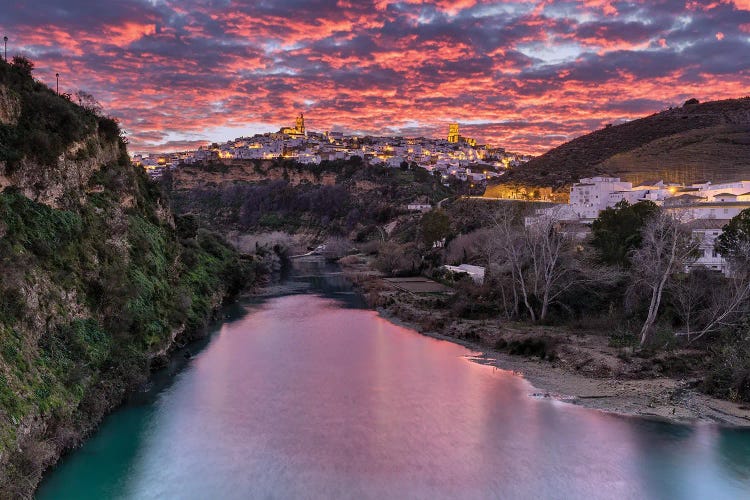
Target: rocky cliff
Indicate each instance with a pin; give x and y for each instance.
(97, 278)
(334, 198)
(246, 171)
(68, 175)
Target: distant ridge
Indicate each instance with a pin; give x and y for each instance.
(706, 141)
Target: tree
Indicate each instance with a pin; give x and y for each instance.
(666, 249)
(336, 247)
(691, 294)
(421, 175)
(734, 242)
(541, 262)
(727, 303)
(469, 247)
(617, 230)
(435, 226)
(89, 102)
(23, 65)
(394, 258)
(546, 244)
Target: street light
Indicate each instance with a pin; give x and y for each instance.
(57, 77)
(5, 39)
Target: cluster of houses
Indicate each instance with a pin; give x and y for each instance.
(455, 156)
(704, 208)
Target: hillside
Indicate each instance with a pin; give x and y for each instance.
(335, 198)
(708, 141)
(97, 277)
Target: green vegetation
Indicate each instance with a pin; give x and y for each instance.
(435, 227)
(683, 144)
(47, 124)
(617, 231)
(326, 209)
(89, 293)
(734, 240)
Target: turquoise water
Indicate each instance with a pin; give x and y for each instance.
(308, 395)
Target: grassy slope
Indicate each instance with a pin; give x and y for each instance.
(718, 154)
(703, 140)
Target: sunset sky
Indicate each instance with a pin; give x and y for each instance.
(526, 76)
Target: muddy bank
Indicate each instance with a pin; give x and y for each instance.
(573, 366)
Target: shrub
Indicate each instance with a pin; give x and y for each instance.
(728, 374)
(542, 347)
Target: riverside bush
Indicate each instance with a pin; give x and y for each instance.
(542, 347)
(728, 374)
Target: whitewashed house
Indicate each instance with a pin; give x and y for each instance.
(592, 195)
(705, 232)
(476, 273)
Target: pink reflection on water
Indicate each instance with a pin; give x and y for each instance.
(304, 398)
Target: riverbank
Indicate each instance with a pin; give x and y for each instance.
(115, 388)
(579, 367)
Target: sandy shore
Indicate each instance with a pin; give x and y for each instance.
(587, 372)
(662, 398)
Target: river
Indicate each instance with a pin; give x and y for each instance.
(307, 394)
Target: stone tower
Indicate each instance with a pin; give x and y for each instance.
(299, 126)
(453, 132)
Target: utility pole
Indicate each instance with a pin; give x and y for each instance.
(5, 39)
(57, 77)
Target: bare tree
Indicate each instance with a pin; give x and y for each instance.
(89, 102)
(726, 306)
(730, 300)
(542, 261)
(552, 276)
(393, 258)
(666, 249)
(336, 247)
(468, 248)
(507, 252)
(688, 294)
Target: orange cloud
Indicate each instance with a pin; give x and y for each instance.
(186, 72)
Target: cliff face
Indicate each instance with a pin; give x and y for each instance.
(96, 276)
(238, 172)
(68, 175)
(334, 198)
(10, 106)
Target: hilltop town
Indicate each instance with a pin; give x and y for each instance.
(455, 156)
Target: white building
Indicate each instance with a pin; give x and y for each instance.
(705, 232)
(476, 273)
(703, 208)
(592, 195)
(419, 207)
(687, 208)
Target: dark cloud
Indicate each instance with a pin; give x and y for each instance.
(522, 75)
